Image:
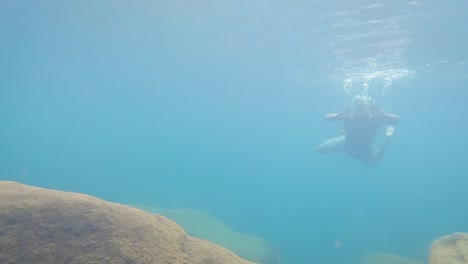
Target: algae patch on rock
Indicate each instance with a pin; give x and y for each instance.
(203, 225)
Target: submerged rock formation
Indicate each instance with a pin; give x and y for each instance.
(452, 249)
(203, 225)
(386, 258)
(47, 226)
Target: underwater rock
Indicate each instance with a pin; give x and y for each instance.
(203, 225)
(451, 249)
(386, 258)
(48, 226)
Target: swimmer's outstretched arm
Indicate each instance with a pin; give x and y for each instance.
(338, 116)
(385, 118)
(390, 118)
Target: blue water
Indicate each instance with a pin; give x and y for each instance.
(218, 105)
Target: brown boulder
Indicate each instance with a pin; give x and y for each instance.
(387, 258)
(203, 225)
(47, 226)
(452, 249)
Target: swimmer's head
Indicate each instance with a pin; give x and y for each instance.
(361, 102)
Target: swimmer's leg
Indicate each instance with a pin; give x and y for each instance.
(332, 145)
(378, 154)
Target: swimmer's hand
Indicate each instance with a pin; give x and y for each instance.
(331, 116)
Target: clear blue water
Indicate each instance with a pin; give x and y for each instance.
(218, 105)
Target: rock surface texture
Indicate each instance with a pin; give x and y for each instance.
(202, 225)
(386, 258)
(452, 249)
(48, 226)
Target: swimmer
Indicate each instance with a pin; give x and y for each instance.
(360, 125)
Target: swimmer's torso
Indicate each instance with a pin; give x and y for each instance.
(360, 129)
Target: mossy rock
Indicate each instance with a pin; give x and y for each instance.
(386, 258)
(203, 225)
(44, 226)
(451, 249)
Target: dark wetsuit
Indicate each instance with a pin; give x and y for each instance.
(360, 128)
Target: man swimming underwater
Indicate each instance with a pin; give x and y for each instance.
(360, 125)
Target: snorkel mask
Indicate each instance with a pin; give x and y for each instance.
(362, 102)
